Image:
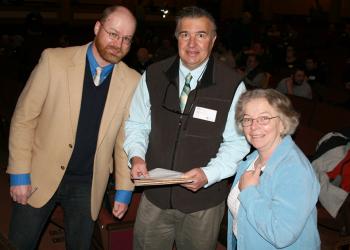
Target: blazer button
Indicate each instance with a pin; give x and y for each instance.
(62, 167)
(70, 145)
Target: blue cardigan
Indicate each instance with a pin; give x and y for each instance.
(280, 212)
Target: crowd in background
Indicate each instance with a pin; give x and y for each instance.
(267, 54)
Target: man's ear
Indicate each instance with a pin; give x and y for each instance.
(97, 27)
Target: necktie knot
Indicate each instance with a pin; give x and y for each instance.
(97, 76)
(185, 92)
(188, 79)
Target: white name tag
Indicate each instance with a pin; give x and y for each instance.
(205, 114)
(312, 78)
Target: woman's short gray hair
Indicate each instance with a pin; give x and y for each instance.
(279, 101)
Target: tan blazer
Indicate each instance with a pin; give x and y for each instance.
(44, 124)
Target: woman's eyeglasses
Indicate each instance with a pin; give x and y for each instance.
(261, 120)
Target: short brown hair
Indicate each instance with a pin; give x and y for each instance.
(280, 102)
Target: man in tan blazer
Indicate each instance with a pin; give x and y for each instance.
(67, 134)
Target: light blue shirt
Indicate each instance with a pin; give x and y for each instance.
(138, 126)
(123, 196)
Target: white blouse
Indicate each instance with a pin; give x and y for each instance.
(233, 202)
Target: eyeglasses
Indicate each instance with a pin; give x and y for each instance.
(174, 109)
(261, 120)
(199, 36)
(126, 40)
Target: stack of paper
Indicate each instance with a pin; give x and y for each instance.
(160, 176)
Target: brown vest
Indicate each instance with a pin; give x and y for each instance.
(181, 142)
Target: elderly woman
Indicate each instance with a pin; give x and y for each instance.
(272, 203)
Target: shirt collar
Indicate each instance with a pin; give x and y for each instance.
(197, 73)
(93, 64)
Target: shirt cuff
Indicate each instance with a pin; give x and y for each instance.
(19, 179)
(210, 174)
(123, 196)
(139, 153)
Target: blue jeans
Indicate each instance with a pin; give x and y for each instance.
(27, 223)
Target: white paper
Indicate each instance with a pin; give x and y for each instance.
(161, 173)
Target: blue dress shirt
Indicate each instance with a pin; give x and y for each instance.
(93, 65)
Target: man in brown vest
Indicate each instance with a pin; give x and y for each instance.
(182, 119)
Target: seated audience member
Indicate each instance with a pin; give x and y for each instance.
(262, 51)
(285, 60)
(272, 203)
(143, 60)
(290, 59)
(225, 54)
(314, 73)
(274, 32)
(317, 76)
(296, 84)
(289, 35)
(165, 50)
(254, 76)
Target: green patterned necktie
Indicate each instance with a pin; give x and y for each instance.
(185, 91)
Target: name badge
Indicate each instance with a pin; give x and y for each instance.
(312, 78)
(205, 114)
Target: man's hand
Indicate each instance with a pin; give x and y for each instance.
(20, 193)
(199, 179)
(249, 178)
(138, 167)
(119, 209)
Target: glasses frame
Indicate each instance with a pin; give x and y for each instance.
(115, 36)
(199, 36)
(175, 110)
(265, 120)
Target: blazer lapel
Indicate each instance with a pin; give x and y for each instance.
(75, 76)
(115, 93)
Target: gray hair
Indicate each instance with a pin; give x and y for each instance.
(279, 101)
(193, 12)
